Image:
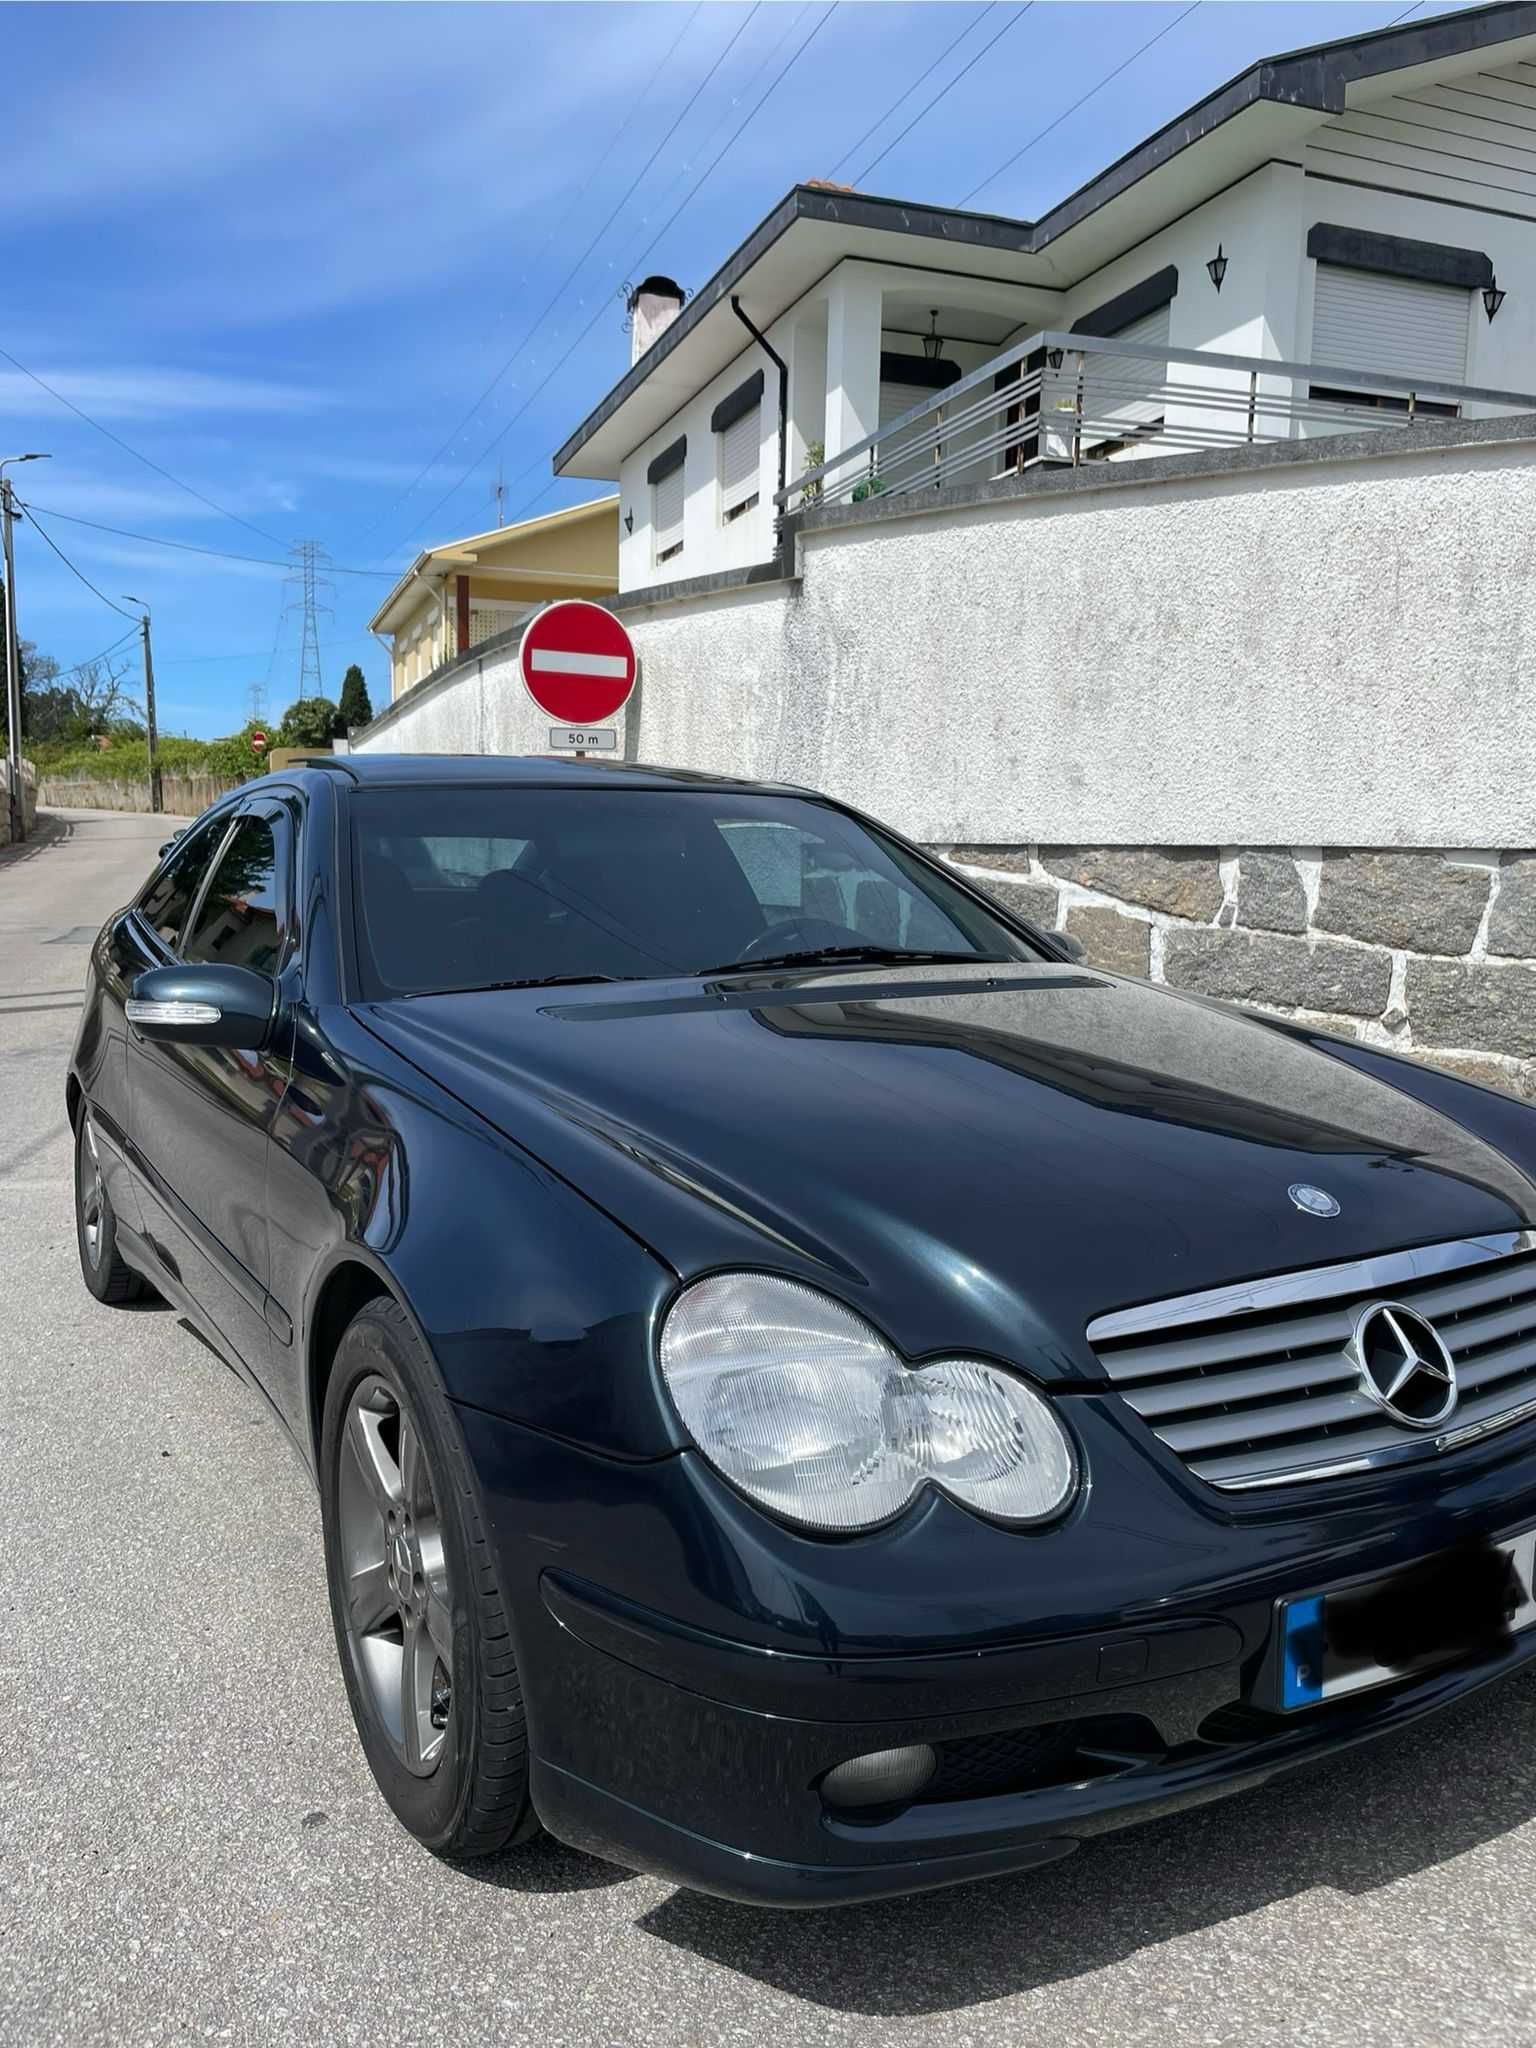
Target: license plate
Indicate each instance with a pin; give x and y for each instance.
(1461, 1604)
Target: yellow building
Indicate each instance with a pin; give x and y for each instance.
(467, 591)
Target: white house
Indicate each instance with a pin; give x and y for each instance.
(1363, 212)
(1180, 587)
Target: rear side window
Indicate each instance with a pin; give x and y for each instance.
(170, 896)
(240, 923)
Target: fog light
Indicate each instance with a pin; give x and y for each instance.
(883, 1778)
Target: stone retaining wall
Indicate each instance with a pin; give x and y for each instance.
(182, 796)
(1427, 953)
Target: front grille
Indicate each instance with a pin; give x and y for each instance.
(1251, 1386)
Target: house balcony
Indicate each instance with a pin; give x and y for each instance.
(1060, 399)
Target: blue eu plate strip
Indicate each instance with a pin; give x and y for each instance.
(1303, 1685)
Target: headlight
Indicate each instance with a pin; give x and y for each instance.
(808, 1410)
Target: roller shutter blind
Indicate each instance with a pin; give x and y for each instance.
(667, 513)
(1401, 326)
(740, 446)
(1112, 383)
(895, 399)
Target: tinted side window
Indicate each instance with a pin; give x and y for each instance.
(172, 893)
(241, 922)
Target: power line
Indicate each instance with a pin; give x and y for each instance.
(795, 20)
(1051, 126)
(80, 666)
(637, 103)
(921, 78)
(79, 573)
(563, 286)
(187, 547)
(685, 171)
(128, 449)
(1012, 22)
(636, 263)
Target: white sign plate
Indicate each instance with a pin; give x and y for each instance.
(584, 739)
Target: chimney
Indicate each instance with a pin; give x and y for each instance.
(652, 307)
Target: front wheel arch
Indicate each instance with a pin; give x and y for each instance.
(345, 1290)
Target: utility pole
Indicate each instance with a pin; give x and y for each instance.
(18, 808)
(500, 495)
(156, 796)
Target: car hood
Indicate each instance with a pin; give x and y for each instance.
(978, 1158)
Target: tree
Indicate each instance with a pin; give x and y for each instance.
(104, 703)
(94, 701)
(308, 722)
(37, 679)
(356, 706)
(234, 756)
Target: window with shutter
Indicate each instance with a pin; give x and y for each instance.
(895, 399)
(740, 447)
(1113, 385)
(1397, 326)
(667, 514)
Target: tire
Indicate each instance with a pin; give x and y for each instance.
(102, 1266)
(421, 1621)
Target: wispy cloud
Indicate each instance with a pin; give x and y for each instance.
(129, 394)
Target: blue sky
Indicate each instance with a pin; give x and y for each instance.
(281, 250)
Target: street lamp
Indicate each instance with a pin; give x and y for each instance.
(18, 814)
(156, 802)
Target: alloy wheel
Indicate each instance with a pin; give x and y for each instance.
(399, 1614)
(93, 1196)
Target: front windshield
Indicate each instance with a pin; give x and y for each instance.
(477, 887)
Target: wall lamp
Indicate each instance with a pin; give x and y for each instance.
(933, 341)
(1493, 298)
(1217, 267)
(1055, 357)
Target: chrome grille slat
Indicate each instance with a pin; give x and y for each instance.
(1253, 1386)
(1285, 1418)
(1213, 1389)
(1451, 1299)
(1191, 1354)
(1497, 1365)
(1259, 1466)
(1468, 1332)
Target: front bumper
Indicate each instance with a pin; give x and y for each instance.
(689, 1682)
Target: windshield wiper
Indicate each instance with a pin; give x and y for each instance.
(480, 988)
(831, 956)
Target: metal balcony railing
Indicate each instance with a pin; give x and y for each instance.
(1071, 398)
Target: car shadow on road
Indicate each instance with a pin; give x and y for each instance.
(546, 1866)
(1351, 1825)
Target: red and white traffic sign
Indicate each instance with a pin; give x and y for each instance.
(578, 662)
(258, 742)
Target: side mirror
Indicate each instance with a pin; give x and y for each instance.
(1070, 945)
(204, 1005)
(170, 842)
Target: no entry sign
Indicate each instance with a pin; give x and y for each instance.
(578, 662)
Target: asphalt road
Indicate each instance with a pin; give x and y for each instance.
(191, 1848)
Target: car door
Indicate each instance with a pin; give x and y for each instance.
(139, 937)
(202, 1115)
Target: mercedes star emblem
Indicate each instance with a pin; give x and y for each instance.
(1312, 1201)
(1404, 1365)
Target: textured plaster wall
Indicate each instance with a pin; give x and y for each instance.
(481, 708)
(1333, 654)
